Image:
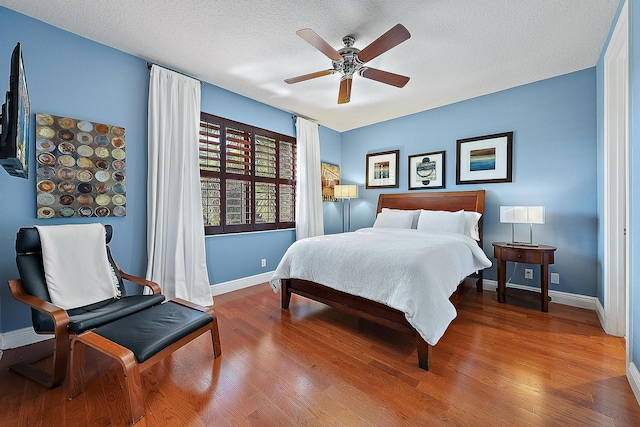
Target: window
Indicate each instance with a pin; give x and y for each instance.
(247, 177)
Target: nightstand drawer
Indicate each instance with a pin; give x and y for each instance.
(518, 255)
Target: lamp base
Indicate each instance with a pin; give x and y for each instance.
(533, 245)
(528, 244)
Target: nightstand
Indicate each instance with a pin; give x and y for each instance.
(541, 255)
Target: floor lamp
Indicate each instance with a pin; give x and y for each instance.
(346, 192)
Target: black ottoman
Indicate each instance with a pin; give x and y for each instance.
(141, 339)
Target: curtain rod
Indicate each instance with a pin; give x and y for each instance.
(151, 64)
(295, 116)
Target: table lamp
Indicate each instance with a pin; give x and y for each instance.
(522, 215)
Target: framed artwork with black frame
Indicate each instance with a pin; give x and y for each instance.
(383, 169)
(484, 159)
(426, 171)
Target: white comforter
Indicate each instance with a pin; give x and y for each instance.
(412, 271)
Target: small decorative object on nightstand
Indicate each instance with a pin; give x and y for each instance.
(541, 255)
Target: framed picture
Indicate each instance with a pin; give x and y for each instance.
(81, 168)
(383, 169)
(426, 170)
(484, 159)
(330, 178)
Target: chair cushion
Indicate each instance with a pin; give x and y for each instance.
(94, 315)
(147, 332)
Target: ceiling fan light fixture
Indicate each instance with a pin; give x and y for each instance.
(348, 41)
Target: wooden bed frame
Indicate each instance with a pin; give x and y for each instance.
(377, 312)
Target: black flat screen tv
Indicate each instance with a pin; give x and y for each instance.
(14, 142)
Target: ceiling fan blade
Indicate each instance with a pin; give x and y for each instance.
(390, 39)
(318, 42)
(345, 90)
(384, 76)
(309, 76)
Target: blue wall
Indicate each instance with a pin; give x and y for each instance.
(232, 257)
(72, 76)
(554, 165)
(330, 149)
(236, 256)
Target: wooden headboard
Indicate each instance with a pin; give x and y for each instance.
(437, 201)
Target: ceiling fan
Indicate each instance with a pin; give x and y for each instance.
(349, 60)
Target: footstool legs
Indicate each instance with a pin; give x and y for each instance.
(215, 335)
(131, 373)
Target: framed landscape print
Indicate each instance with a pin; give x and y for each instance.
(484, 159)
(383, 169)
(426, 170)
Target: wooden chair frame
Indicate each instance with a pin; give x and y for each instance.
(61, 333)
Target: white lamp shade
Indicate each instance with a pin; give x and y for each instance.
(522, 214)
(536, 214)
(345, 191)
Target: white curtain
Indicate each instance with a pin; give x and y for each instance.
(175, 228)
(309, 221)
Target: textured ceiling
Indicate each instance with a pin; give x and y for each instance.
(458, 49)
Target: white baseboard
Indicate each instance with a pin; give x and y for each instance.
(600, 312)
(565, 298)
(634, 380)
(245, 282)
(20, 337)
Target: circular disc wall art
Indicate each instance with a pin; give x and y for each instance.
(81, 168)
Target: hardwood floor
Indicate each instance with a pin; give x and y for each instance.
(313, 365)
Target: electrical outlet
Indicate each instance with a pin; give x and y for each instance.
(555, 278)
(263, 263)
(528, 273)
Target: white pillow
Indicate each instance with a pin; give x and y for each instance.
(471, 225)
(394, 219)
(416, 215)
(451, 222)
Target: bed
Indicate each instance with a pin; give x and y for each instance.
(317, 268)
